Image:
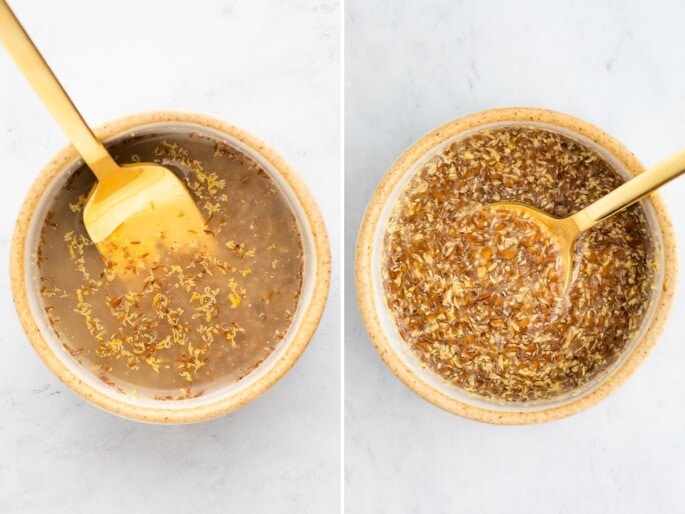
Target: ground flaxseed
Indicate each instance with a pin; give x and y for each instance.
(478, 294)
(178, 323)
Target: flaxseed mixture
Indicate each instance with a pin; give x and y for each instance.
(478, 293)
(190, 318)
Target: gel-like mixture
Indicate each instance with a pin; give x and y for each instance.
(478, 294)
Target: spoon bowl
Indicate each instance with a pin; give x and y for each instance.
(565, 231)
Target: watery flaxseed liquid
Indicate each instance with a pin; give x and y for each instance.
(191, 318)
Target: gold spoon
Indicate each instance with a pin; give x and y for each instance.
(565, 231)
(134, 200)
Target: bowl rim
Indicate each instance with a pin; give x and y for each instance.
(160, 414)
(364, 266)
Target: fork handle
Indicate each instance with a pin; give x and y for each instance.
(31, 63)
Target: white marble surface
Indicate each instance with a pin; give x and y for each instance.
(270, 67)
(411, 66)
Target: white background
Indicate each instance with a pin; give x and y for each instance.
(411, 66)
(271, 67)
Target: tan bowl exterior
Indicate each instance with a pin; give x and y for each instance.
(365, 295)
(159, 414)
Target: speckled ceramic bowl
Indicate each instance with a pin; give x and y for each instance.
(222, 399)
(397, 354)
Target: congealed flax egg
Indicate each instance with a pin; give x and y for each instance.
(477, 294)
(173, 320)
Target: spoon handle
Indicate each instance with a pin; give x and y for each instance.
(31, 63)
(631, 191)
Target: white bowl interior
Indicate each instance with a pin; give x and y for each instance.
(411, 361)
(219, 392)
